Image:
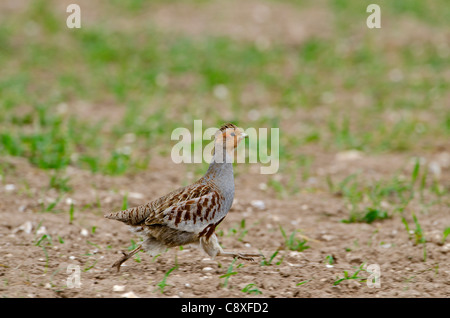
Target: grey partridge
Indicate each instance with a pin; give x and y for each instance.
(189, 215)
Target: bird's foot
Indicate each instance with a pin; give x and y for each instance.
(119, 262)
(246, 256)
(125, 257)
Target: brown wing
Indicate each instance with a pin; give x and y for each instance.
(153, 211)
(192, 215)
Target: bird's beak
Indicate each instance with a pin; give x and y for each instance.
(244, 135)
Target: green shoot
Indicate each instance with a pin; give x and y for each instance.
(354, 276)
(90, 267)
(125, 201)
(266, 262)
(71, 212)
(52, 205)
(303, 282)
(445, 234)
(251, 289)
(329, 260)
(293, 243)
(162, 284)
(229, 273)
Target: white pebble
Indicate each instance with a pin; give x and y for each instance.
(188, 285)
(327, 237)
(26, 227)
(84, 232)
(348, 155)
(435, 168)
(41, 231)
(129, 295)
(10, 187)
(118, 288)
(207, 269)
(259, 204)
(135, 195)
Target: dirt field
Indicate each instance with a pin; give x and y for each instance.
(391, 155)
(28, 270)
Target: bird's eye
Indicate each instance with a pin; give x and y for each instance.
(233, 134)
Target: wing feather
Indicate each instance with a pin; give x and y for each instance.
(192, 215)
(152, 212)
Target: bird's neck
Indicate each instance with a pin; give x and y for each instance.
(221, 166)
(220, 172)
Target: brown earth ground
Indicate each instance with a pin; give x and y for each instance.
(33, 268)
(28, 270)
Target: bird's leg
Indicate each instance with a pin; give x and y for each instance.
(213, 249)
(126, 257)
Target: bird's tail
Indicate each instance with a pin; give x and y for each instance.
(130, 216)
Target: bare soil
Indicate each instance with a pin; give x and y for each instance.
(29, 270)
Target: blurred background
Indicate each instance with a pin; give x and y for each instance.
(86, 117)
(107, 96)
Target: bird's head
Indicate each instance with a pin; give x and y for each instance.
(228, 137)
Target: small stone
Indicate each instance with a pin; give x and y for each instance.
(435, 168)
(355, 284)
(259, 204)
(26, 227)
(445, 248)
(348, 155)
(207, 269)
(118, 288)
(285, 271)
(10, 187)
(84, 232)
(129, 295)
(41, 231)
(135, 195)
